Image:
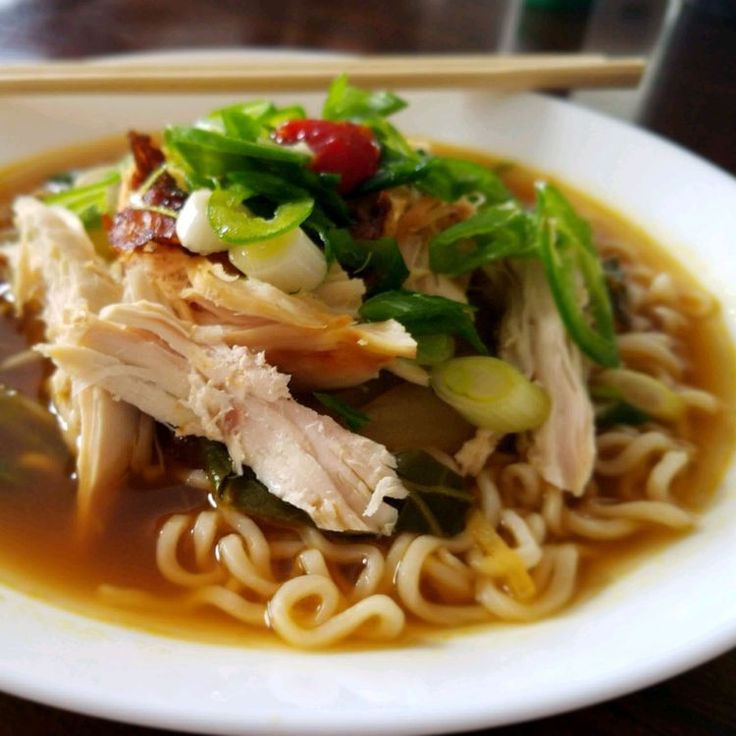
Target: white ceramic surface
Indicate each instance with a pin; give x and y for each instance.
(664, 616)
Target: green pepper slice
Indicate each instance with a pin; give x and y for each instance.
(234, 223)
(571, 262)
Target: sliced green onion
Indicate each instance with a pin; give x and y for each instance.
(641, 391)
(571, 263)
(491, 394)
(290, 261)
(193, 226)
(434, 349)
(424, 314)
(235, 224)
(88, 202)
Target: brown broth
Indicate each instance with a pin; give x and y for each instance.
(40, 553)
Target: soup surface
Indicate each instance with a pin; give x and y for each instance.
(113, 573)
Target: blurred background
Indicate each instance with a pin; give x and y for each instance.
(691, 43)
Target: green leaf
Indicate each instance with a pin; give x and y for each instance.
(394, 144)
(323, 187)
(216, 462)
(238, 124)
(209, 139)
(282, 115)
(400, 163)
(245, 492)
(424, 314)
(395, 171)
(254, 120)
(284, 181)
(207, 153)
(438, 501)
(253, 109)
(570, 262)
(378, 262)
(452, 178)
(26, 427)
(620, 413)
(352, 418)
(275, 187)
(346, 102)
(489, 235)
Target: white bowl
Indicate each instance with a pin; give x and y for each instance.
(673, 611)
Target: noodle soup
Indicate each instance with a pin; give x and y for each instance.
(172, 552)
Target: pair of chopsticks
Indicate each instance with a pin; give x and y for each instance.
(534, 71)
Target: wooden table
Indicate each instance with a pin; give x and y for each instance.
(691, 98)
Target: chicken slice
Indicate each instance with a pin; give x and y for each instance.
(300, 334)
(54, 265)
(472, 457)
(413, 220)
(185, 376)
(534, 339)
(115, 439)
(340, 292)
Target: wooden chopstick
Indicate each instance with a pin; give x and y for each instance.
(543, 71)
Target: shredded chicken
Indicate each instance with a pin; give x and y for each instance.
(340, 292)
(413, 220)
(535, 340)
(55, 265)
(472, 457)
(301, 335)
(166, 336)
(187, 377)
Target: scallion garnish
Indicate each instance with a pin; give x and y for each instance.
(424, 314)
(491, 393)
